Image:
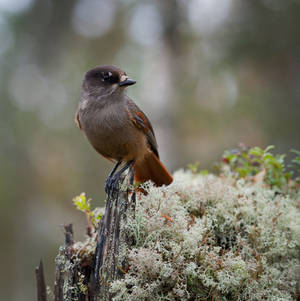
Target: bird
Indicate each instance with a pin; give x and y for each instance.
(117, 128)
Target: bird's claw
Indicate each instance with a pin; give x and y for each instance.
(113, 179)
(111, 184)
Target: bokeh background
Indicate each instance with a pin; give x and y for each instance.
(210, 74)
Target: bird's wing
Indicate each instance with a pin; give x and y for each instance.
(140, 120)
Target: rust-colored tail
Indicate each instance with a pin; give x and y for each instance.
(152, 169)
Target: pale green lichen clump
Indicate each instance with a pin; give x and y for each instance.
(212, 238)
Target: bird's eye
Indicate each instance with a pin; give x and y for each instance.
(105, 76)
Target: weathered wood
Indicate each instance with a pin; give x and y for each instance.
(108, 264)
(61, 273)
(41, 286)
(59, 282)
(85, 270)
(68, 234)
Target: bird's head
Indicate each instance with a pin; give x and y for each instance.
(104, 81)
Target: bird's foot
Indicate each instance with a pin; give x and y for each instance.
(111, 184)
(112, 180)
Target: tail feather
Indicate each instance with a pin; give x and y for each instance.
(152, 169)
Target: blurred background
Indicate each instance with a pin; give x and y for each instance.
(210, 74)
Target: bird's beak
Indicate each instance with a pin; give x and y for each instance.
(125, 81)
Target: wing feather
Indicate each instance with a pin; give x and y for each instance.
(141, 121)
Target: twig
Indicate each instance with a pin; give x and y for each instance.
(68, 234)
(41, 286)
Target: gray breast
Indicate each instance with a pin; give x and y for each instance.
(107, 128)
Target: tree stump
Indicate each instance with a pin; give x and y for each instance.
(84, 270)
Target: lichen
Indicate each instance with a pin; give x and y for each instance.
(71, 262)
(205, 237)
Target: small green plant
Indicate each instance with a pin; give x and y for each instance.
(194, 168)
(83, 204)
(295, 164)
(258, 164)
